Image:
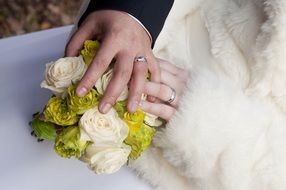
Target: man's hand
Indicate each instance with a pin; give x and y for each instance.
(123, 39)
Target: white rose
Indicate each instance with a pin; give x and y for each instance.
(152, 120)
(101, 85)
(106, 160)
(60, 74)
(103, 129)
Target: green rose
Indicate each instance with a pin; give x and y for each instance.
(57, 112)
(43, 130)
(139, 140)
(89, 51)
(81, 104)
(68, 143)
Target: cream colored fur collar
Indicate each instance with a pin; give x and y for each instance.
(230, 130)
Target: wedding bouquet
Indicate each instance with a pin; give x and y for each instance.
(104, 141)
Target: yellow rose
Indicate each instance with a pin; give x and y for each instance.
(106, 160)
(60, 74)
(101, 85)
(57, 112)
(89, 51)
(139, 140)
(134, 120)
(103, 129)
(80, 104)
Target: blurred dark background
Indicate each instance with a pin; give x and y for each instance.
(24, 16)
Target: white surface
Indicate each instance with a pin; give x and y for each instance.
(25, 163)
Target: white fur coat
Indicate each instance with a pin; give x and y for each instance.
(230, 130)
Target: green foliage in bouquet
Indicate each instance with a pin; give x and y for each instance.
(43, 130)
(89, 51)
(68, 143)
(79, 105)
(139, 140)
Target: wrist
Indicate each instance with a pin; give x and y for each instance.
(142, 25)
(150, 13)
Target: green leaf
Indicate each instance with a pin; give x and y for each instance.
(43, 130)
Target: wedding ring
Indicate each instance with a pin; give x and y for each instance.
(140, 59)
(173, 95)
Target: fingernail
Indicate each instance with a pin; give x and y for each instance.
(81, 91)
(105, 107)
(133, 106)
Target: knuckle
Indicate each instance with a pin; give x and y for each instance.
(88, 81)
(110, 99)
(101, 62)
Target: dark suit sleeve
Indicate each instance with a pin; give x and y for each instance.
(151, 13)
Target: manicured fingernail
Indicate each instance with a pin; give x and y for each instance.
(105, 107)
(133, 106)
(81, 91)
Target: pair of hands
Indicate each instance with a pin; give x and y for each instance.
(123, 39)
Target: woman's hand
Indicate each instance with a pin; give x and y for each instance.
(168, 92)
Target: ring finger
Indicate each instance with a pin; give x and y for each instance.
(161, 110)
(140, 70)
(161, 91)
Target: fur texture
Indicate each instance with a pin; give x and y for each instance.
(229, 131)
